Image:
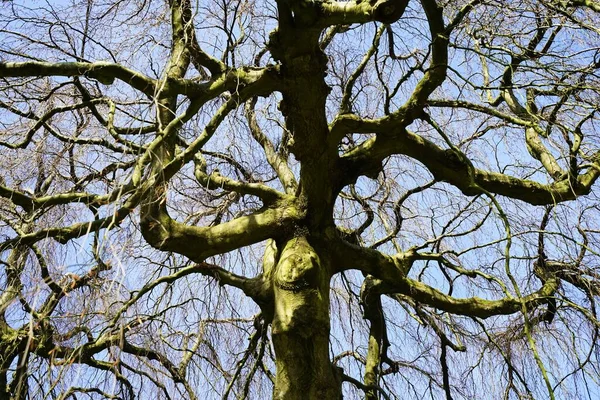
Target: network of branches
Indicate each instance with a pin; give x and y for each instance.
(437, 158)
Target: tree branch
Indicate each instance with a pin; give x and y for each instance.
(104, 72)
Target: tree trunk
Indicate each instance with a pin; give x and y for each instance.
(301, 326)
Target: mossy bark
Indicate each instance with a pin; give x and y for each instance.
(301, 325)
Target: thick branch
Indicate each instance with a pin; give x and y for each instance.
(104, 72)
(593, 5)
(352, 12)
(392, 271)
(198, 243)
(448, 166)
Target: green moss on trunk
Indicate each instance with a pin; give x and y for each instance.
(301, 326)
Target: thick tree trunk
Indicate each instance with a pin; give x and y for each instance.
(301, 326)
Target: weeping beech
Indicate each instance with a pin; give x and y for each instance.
(299, 199)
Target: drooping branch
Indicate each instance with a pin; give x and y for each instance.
(346, 98)
(434, 76)
(378, 338)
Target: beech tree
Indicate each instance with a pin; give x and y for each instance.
(299, 199)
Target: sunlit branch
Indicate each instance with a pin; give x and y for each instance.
(351, 12)
(215, 180)
(447, 166)
(392, 271)
(198, 243)
(366, 388)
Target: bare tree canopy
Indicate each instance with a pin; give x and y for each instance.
(299, 199)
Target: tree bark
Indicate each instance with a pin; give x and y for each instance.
(301, 326)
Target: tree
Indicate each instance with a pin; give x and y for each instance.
(299, 199)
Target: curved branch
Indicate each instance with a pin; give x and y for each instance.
(392, 271)
(451, 167)
(198, 243)
(276, 161)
